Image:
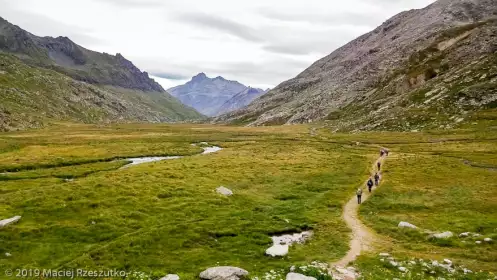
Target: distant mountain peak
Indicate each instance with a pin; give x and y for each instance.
(209, 95)
(199, 77)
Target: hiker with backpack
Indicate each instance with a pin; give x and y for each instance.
(359, 195)
(376, 179)
(370, 184)
(379, 165)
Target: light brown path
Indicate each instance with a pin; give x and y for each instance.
(362, 236)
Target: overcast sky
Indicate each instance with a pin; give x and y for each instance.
(257, 42)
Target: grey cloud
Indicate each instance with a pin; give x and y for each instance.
(169, 76)
(132, 3)
(44, 26)
(355, 19)
(221, 24)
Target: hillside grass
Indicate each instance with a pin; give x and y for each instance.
(165, 217)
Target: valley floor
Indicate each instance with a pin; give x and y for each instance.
(80, 210)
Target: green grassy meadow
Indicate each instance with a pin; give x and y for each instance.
(79, 210)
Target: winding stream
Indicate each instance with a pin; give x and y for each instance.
(141, 160)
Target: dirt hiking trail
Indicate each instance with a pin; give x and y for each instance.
(362, 236)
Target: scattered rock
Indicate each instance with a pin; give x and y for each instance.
(170, 277)
(447, 261)
(478, 242)
(282, 243)
(277, 250)
(487, 239)
(402, 269)
(292, 268)
(6, 222)
(466, 271)
(464, 234)
(298, 276)
(443, 235)
(224, 191)
(384, 255)
(407, 225)
(8, 255)
(223, 273)
(394, 263)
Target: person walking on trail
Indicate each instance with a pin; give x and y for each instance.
(379, 165)
(376, 179)
(382, 153)
(359, 195)
(370, 184)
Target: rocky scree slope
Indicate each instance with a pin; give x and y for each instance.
(434, 66)
(209, 95)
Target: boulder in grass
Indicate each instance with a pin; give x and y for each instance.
(407, 225)
(277, 250)
(443, 235)
(170, 277)
(6, 222)
(224, 273)
(298, 276)
(224, 191)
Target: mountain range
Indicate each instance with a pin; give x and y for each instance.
(46, 79)
(434, 67)
(214, 96)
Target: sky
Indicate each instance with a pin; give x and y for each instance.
(260, 43)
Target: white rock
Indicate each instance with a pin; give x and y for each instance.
(393, 263)
(402, 269)
(223, 273)
(464, 234)
(384, 255)
(447, 261)
(277, 250)
(292, 268)
(298, 276)
(407, 225)
(8, 254)
(476, 235)
(434, 263)
(6, 222)
(466, 271)
(170, 277)
(443, 235)
(487, 239)
(478, 242)
(224, 191)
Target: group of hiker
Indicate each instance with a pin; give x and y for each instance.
(376, 177)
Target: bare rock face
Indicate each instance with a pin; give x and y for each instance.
(224, 273)
(370, 81)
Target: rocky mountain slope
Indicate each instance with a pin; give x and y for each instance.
(34, 96)
(432, 67)
(43, 79)
(209, 95)
(64, 56)
(241, 100)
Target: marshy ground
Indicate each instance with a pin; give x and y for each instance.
(79, 209)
